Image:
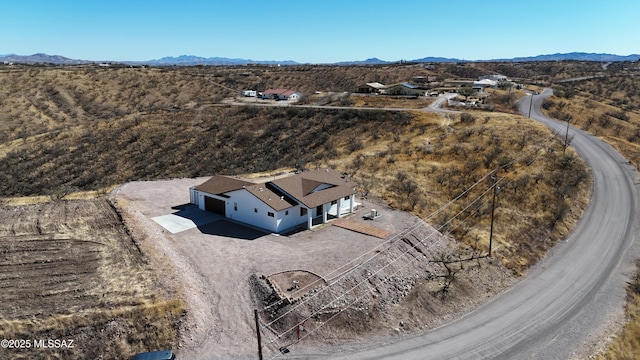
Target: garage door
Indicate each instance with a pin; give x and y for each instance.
(214, 205)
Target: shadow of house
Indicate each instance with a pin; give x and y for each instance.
(231, 229)
(210, 223)
(197, 216)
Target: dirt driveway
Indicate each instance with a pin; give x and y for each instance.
(211, 266)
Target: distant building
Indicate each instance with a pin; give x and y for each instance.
(371, 88)
(485, 83)
(424, 79)
(249, 93)
(405, 89)
(281, 94)
(304, 199)
(496, 77)
(457, 83)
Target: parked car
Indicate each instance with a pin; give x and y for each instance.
(156, 355)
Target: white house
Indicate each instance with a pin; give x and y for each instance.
(305, 199)
(371, 88)
(281, 94)
(249, 93)
(485, 83)
(405, 89)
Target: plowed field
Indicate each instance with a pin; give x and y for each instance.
(70, 270)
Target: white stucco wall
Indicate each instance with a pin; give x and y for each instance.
(292, 219)
(246, 203)
(245, 210)
(193, 196)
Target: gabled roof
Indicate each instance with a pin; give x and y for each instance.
(487, 82)
(220, 184)
(288, 93)
(376, 85)
(316, 187)
(311, 188)
(270, 197)
(405, 84)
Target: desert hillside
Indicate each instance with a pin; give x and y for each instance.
(69, 130)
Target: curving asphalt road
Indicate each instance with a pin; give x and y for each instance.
(567, 299)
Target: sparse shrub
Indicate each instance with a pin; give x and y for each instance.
(355, 144)
(548, 103)
(467, 118)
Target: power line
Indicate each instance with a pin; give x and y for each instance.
(390, 243)
(398, 236)
(371, 275)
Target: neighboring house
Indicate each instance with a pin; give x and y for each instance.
(424, 79)
(304, 199)
(249, 93)
(281, 94)
(496, 77)
(457, 83)
(405, 89)
(485, 83)
(371, 88)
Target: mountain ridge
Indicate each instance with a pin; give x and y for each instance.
(191, 60)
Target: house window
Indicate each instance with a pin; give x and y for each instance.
(255, 210)
(347, 197)
(303, 211)
(235, 206)
(270, 214)
(286, 212)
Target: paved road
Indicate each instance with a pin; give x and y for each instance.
(568, 297)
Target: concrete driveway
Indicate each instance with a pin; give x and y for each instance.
(188, 217)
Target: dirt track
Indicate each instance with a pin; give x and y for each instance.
(213, 271)
(68, 270)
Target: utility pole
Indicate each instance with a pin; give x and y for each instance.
(255, 314)
(496, 189)
(566, 138)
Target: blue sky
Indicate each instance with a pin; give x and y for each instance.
(318, 31)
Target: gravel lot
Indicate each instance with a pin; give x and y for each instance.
(212, 270)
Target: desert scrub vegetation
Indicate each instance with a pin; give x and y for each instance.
(626, 345)
(70, 270)
(346, 99)
(435, 159)
(606, 107)
(38, 100)
(181, 143)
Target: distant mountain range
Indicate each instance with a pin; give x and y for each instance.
(42, 59)
(190, 60)
(197, 60)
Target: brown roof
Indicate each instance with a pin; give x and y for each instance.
(301, 186)
(268, 196)
(220, 184)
